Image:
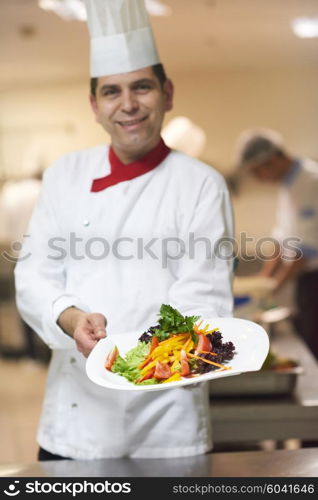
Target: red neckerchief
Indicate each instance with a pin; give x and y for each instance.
(120, 172)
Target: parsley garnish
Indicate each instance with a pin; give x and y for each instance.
(172, 321)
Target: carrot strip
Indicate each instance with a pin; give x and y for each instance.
(145, 362)
(208, 361)
(205, 330)
(196, 327)
(207, 352)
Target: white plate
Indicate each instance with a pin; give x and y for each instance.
(251, 348)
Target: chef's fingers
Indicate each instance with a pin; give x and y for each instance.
(86, 347)
(85, 339)
(98, 323)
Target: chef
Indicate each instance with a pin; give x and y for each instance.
(118, 231)
(262, 152)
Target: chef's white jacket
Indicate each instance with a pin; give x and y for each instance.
(123, 252)
(297, 212)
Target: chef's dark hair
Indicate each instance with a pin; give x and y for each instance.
(158, 70)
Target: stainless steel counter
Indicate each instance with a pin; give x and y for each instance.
(277, 463)
(293, 416)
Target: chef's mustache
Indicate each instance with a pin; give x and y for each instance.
(163, 249)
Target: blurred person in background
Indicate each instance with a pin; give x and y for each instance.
(261, 153)
(17, 201)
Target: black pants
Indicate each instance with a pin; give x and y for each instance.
(306, 322)
(44, 456)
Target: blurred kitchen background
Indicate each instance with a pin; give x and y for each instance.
(236, 64)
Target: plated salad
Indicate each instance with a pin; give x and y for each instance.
(177, 347)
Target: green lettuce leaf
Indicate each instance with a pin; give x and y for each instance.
(128, 366)
(149, 381)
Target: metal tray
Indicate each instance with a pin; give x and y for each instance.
(265, 382)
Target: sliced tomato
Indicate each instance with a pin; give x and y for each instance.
(154, 343)
(204, 343)
(148, 375)
(162, 371)
(111, 358)
(185, 368)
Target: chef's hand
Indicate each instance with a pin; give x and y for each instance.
(85, 328)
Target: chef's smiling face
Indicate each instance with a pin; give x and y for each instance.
(131, 107)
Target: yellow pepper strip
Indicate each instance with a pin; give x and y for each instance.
(166, 349)
(163, 354)
(210, 362)
(179, 340)
(148, 368)
(186, 344)
(173, 337)
(175, 364)
(173, 340)
(175, 377)
(152, 364)
(190, 346)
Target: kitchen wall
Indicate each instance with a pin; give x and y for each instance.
(224, 103)
(39, 124)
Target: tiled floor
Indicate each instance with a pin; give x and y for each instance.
(21, 390)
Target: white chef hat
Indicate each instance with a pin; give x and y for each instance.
(121, 37)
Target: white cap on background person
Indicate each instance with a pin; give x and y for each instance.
(121, 38)
(257, 146)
